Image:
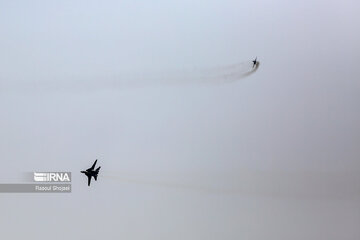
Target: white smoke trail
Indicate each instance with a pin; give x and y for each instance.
(311, 185)
(212, 75)
(222, 74)
(171, 185)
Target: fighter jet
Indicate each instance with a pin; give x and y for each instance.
(91, 172)
(255, 62)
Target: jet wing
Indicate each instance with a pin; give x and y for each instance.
(89, 180)
(92, 167)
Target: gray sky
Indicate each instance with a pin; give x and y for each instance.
(274, 155)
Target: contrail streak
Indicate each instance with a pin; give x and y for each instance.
(172, 185)
(140, 78)
(299, 185)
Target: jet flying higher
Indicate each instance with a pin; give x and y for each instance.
(255, 62)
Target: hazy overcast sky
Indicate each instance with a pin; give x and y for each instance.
(274, 155)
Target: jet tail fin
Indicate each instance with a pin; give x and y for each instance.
(96, 174)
